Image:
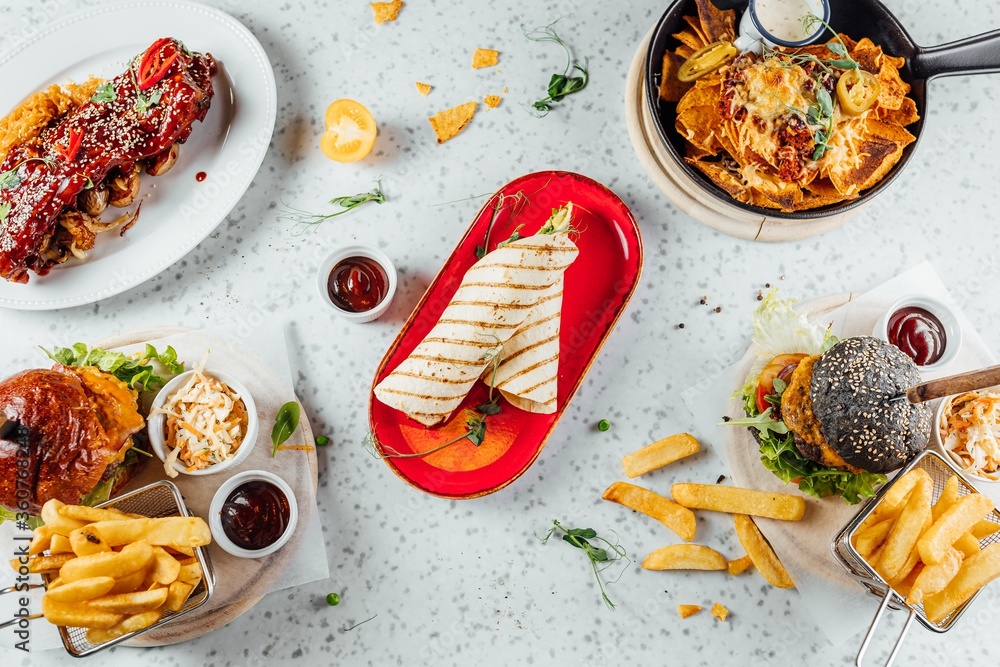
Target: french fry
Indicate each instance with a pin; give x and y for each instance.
(56, 522)
(60, 545)
(182, 531)
(40, 564)
(976, 572)
(947, 498)
(131, 624)
(761, 553)
(133, 557)
(688, 610)
(868, 540)
(967, 544)
(906, 585)
(90, 514)
(129, 582)
(660, 453)
(88, 540)
(906, 531)
(183, 551)
(934, 578)
(678, 519)
(77, 615)
(739, 565)
(892, 503)
(684, 557)
(165, 567)
(949, 527)
(41, 540)
(84, 589)
(131, 603)
(53, 583)
(191, 573)
(984, 529)
(734, 500)
(177, 595)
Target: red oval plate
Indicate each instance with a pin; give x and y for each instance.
(598, 285)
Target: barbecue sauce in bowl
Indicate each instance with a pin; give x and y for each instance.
(918, 333)
(255, 515)
(357, 284)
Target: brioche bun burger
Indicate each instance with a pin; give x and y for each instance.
(819, 408)
(74, 432)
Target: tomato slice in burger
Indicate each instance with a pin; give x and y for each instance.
(857, 91)
(783, 365)
(350, 131)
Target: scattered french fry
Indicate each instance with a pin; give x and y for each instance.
(77, 615)
(685, 557)
(56, 522)
(90, 514)
(868, 540)
(130, 624)
(131, 603)
(41, 540)
(60, 545)
(659, 454)
(678, 519)
(40, 564)
(171, 531)
(734, 500)
(761, 553)
(947, 498)
(177, 595)
(688, 610)
(87, 540)
(976, 572)
(166, 568)
(892, 503)
(949, 527)
(739, 565)
(133, 557)
(129, 582)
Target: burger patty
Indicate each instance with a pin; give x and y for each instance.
(797, 413)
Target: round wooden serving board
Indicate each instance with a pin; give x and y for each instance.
(689, 197)
(198, 623)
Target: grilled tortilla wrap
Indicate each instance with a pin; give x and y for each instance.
(527, 374)
(495, 298)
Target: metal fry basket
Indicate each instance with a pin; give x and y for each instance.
(940, 470)
(159, 499)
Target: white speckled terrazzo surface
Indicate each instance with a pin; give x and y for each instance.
(467, 582)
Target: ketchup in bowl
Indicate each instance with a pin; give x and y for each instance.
(918, 333)
(357, 284)
(255, 515)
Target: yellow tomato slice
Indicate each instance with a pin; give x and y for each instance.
(350, 131)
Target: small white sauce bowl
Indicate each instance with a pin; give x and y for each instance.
(219, 499)
(155, 423)
(940, 310)
(357, 250)
(938, 443)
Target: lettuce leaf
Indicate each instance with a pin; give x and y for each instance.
(136, 370)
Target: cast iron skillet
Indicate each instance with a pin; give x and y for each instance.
(857, 18)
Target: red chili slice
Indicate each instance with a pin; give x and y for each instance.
(73, 147)
(152, 68)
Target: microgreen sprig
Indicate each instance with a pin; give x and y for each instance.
(11, 179)
(105, 93)
(346, 203)
(809, 21)
(580, 538)
(517, 202)
(560, 85)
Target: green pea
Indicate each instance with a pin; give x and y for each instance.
(603, 425)
(333, 599)
(322, 441)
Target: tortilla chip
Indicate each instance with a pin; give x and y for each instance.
(716, 24)
(699, 125)
(684, 51)
(689, 39)
(894, 89)
(905, 115)
(868, 56)
(386, 11)
(821, 193)
(672, 89)
(485, 58)
(450, 122)
(424, 88)
(492, 101)
(703, 93)
(723, 178)
(695, 25)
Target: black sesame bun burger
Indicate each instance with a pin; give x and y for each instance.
(819, 409)
(837, 405)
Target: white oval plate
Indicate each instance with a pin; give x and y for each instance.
(178, 212)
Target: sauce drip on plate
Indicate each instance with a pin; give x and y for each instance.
(255, 515)
(200, 176)
(918, 333)
(357, 284)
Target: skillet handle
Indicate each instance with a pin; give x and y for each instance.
(973, 55)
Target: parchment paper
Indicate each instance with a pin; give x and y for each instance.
(838, 604)
(260, 361)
